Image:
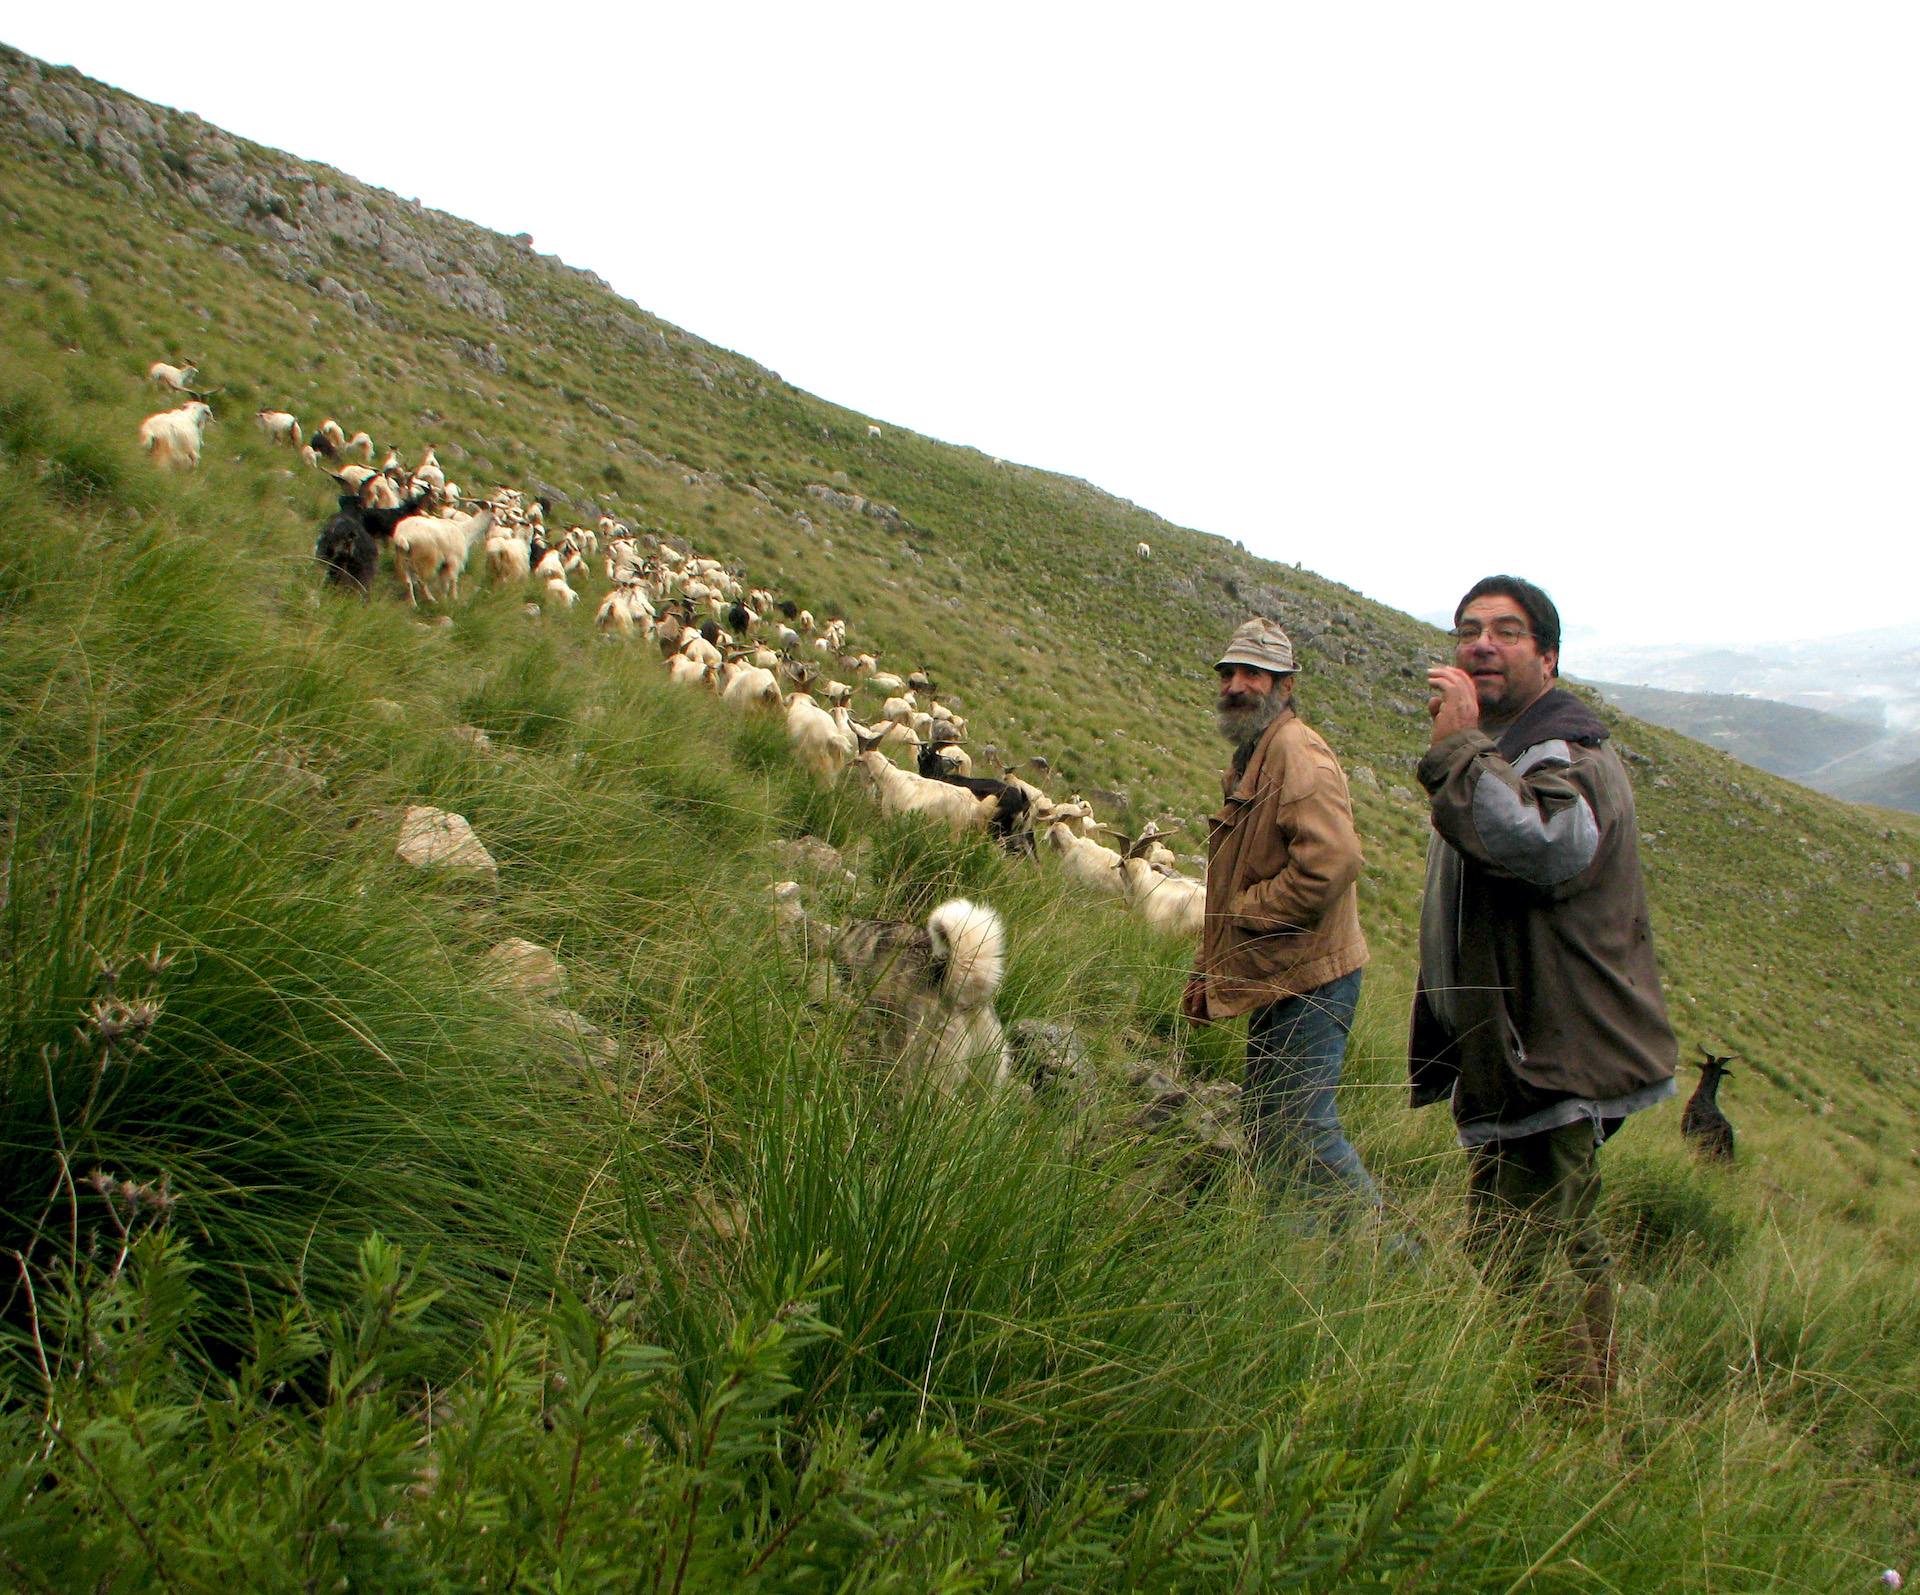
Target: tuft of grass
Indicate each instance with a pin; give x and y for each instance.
(1665, 1211)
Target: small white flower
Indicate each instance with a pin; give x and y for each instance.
(1892, 1579)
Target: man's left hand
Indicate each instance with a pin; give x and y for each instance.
(1455, 704)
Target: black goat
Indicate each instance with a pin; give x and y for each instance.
(349, 543)
(789, 608)
(1007, 820)
(739, 618)
(1703, 1124)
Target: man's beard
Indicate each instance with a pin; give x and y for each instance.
(1243, 716)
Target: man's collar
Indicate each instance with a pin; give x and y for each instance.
(1555, 714)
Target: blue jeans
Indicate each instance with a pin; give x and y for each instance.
(1294, 1048)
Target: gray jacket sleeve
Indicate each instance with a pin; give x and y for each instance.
(1536, 820)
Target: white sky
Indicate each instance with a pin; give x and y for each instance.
(1621, 298)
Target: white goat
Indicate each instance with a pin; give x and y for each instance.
(507, 558)
(172, 379)
(380, 493)
(685, 672)
(429, 550)
(701, 652)
(748, 685)
(902, 793)
(172, 438)
(1143, 550)
(1085, 859)
(280, 427)
(623, 560)
(888, 734)
(821, 742)
(1165, 900)
(624, 611)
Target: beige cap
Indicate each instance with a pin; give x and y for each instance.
(1261, 643)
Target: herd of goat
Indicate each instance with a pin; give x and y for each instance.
(931, 986)
(750, 647)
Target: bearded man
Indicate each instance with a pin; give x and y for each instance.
(1281, 942)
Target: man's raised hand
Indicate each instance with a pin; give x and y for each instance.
(1455, 704)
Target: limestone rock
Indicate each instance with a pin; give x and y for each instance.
(1049, 1054)
(525, 969)
(582, 1041)
(809, 856)
(1163, 1096)
(430, 836)
(1201, 1118)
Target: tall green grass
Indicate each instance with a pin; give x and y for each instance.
(732, 1301)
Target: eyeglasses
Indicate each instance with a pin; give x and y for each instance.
(1500, 631)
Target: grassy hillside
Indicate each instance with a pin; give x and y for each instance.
(1781, 738)
(1805, 745)
(1898, 788)
(1005, 1335)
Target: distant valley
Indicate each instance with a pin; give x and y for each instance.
(1838, 714)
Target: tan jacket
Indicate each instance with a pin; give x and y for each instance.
(1282, 860)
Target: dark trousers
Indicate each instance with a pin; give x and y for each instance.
(1294, 1048)
(1532, 1198)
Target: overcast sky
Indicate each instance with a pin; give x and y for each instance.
(1622, 298)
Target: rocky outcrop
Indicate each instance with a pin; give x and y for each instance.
(314, 225)
(852, 503)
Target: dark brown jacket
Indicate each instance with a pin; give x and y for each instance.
(1537, 976)
(1282, 859)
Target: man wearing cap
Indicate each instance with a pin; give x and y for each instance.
(1538, 1016)
(1282, 941)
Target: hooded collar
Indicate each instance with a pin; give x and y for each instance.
(1556, 715)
